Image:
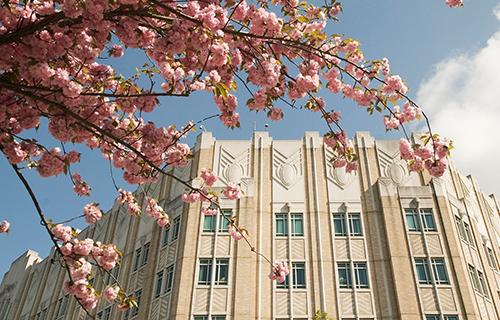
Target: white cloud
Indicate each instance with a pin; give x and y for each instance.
(462, 99)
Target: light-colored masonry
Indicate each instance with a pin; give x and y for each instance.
(381, 243)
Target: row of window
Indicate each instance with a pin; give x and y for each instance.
(105, 314)
(478, 281)
(134, 311)
(210, 222)
(62, 305)
(438, 271)
(164, 278)
(175, 226)
(221, 272)
(345, 272)
(439, 318)
(418, 220)
(464, 231)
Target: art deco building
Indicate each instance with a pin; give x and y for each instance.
(381, 243)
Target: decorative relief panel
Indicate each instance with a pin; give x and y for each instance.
(428, 299)
(365, 304)
(202, 299)
(337, 176)
(392, 166)
(207, 244)
(232, 168)
(297, 249)
(434, 244)
(223, 242)
(299, 303)
(155, 308)
(219, 300)
(346, 303)
(171, 254)
(417, 244)
(287, 168)
(341, 249)
(162, 260)
(165, 304)
(281, 249)
(282, 304)
(446, 299)
(358, 249)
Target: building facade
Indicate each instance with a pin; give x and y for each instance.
(379, 243)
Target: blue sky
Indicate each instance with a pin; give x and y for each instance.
(448, 58)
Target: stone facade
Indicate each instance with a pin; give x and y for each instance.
(381, 243)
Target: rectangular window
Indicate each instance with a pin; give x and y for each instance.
(145, 254)
(169, 279)
(107, 314)
(432, 318)
(299, 275)
(135, 310)
(137, 259)
(460, 228)
(468, 233)
(361, 275)
(201, 318)
(64, 306)
(166, 235)
(474, 278)
(209, 223)
(482, 282)
(285, 284)
(439, 271)
(297, 225)
(422, 271)
(428, 220)
(344, 270)
(176, 228)
(112, 275)
(412, 220)
(223, 226)
(221, 271)
(339, 225)
(218, 317)
(450, 318)
(205, 274)
(491, 259)
(159, 283)
(281, 225)
(355, 225)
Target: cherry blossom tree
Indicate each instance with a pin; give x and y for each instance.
(51, 68)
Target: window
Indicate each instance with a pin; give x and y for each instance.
(468, 233)
(299, 275)
(464, 231)
(62, 304)
(474, 278)
(339, 225)
(221, 271)
(355, 225)
(159, 282)
(297, 224)
(169, 279)
(201, 318)
(281, 225)
(112, 275)
(213, 318)
(413, 219)
(439, 271)
(205, 274)
(141, 256)
(137, 259)
(422, 271)
(176, 228)
(223, 226)
(438, 318)
(361, 275)
(428, 220)
(209, 223)
(135, 310)
(344, 270)
(166, 234)
(107, 314)
(482, 283)
(491, 258)
(218, 317)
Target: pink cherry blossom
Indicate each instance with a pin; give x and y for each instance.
(4, 227)
(279, 272)
(235, 233)
(110, 293)
(92, 212)
(232, 191)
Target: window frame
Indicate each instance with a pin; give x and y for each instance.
(339, 220)
(221, 269)
(352, 220)
(439, 270)
(358, 268)
(205, 268)
(345, 268)
(166, 235)
(176, 228)
(492, 261)
(424, 277)
(169, 279)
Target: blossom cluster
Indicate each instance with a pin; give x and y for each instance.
(279, 272)
(80, 187)
(431, 155)
(77, 254)
(4, 227)
(128, 198)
